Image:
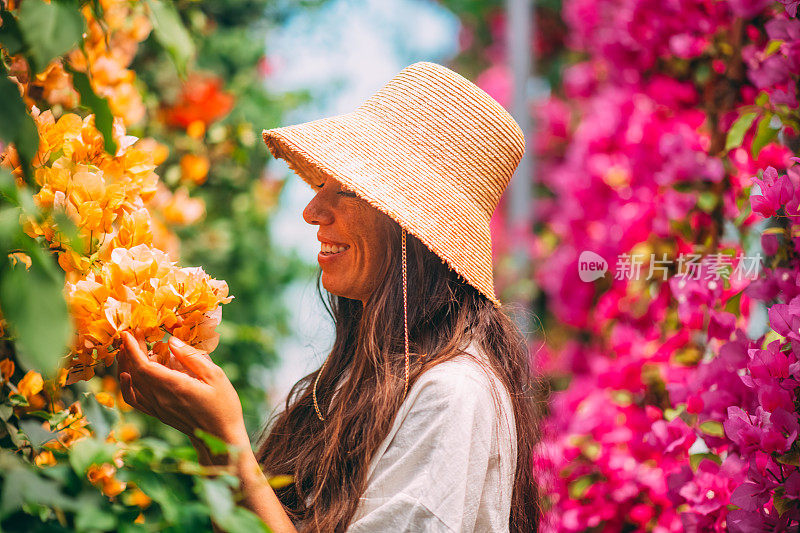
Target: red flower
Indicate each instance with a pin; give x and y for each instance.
(202, 99)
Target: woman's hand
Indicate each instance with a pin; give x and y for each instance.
(204, 400)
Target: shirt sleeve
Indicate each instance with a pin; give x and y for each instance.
(438, 468)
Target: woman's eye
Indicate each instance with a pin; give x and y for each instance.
(348, 193)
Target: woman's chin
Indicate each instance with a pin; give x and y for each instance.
(331, 284)
(337, 289)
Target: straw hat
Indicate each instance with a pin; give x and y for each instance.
(430, 149)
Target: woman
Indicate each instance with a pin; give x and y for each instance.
(422, 416)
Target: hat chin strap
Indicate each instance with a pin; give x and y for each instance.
(405, 311)
(405, 331)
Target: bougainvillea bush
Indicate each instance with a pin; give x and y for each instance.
(104, 173)
(666, 160)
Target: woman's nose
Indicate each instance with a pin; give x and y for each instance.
(318, 211)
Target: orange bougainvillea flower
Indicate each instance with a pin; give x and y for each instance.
(44, 458)
(20, 257)
(128, 433)
(136, 497)
(102, 194)
(108, 48)
(106, 52)
(181, 210)
(141, 288)
(117, 277)
(102, 476)
(72, 429)
(159, 152)
(31, 384)
(56, 86)
(196, 129)
(201, 99)
(194, 168)
(104, 398)
(6, 369)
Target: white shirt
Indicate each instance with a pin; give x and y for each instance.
(448, 462)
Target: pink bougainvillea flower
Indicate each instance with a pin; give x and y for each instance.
(791, 6)
(775, 192)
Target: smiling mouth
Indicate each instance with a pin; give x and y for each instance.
(329, 250)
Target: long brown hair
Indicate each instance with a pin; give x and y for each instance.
(329, 459)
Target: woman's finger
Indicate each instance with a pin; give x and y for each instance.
(139, 365)
(136, 358)
(128, 393)
(195, 360)
(139, 337)
(123, 360)
(141, 400)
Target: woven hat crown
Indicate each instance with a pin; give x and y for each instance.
(430, 149)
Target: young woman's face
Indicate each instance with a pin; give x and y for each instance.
(352, 240)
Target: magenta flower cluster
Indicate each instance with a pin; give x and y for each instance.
(675, 404)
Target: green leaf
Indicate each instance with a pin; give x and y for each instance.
(101, 418)
(171, 33)
(579, 487)
(782, 504)
(738, 129)
(773, 46)
(19, 196)
(747, 210)
(8, 187)
(764, 135)
(57, 418)
(16, 125)
(153, 485)
(215, 445)
(6, 411)
(10, 34)
(29, 299)
(36, 434)
(217, 496)
(696, 458)
(18, 400)
(713, 428)
(792, 457)
(707, 201)
(88, 452)
(240, 520)
(9, 231)
(69, 234)
(59, 472)
(671, 414)
(733, 303)
(95, 518)
(103, 118)
(51, 30)
(28, 487)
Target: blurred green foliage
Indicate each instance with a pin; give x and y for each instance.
(222, 40)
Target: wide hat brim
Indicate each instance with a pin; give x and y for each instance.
(395, 173)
